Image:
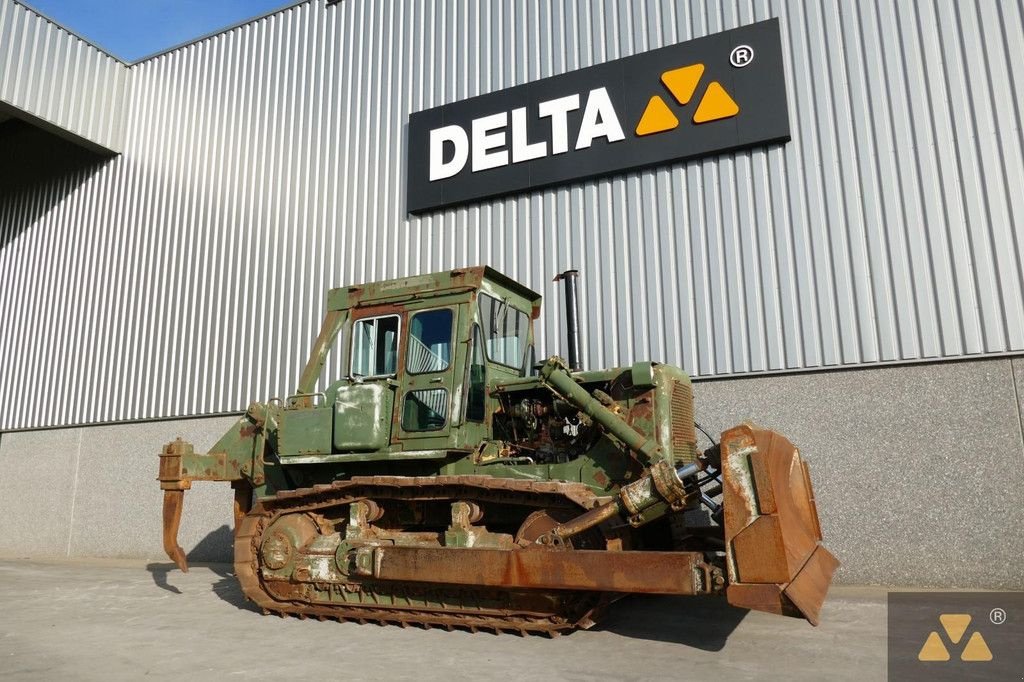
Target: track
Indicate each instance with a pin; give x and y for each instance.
(364, 600)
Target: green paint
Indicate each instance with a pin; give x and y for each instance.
(441, 384)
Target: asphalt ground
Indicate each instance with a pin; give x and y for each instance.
(117, 620)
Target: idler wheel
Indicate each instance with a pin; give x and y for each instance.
(276, 551)
(284, 538)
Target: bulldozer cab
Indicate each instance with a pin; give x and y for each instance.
(400, 368)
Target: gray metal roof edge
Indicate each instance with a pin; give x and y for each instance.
(206, 36)
(64, 28)
(226, 29)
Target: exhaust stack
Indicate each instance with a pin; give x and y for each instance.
(572, 318)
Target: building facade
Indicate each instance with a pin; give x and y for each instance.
(859, 287)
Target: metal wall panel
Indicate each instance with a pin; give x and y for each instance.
(265, 164)
(56, 76)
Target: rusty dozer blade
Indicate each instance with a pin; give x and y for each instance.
(173, 500)
(775, 559)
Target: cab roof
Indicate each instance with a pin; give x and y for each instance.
(428, 286)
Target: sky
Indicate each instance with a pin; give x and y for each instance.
(132, 29)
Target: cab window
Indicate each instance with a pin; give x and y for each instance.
(430, 341)
(505, 331)
(477, 379)
(375, 346)
(426, 409)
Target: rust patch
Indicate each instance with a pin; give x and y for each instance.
(775, 560)
(173, 500)
(634, 572)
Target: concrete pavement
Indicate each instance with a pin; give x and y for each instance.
(118, 620)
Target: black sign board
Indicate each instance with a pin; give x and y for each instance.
(705, 96)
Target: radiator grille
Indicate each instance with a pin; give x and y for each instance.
(684, 437)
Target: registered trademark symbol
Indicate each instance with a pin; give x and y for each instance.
(741, 55)
(997, 616)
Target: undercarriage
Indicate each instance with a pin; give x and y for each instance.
(448, 551)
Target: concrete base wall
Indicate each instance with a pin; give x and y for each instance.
(918, 470)
(919, 474)
(92, 492)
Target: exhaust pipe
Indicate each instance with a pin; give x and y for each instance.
(572, 318)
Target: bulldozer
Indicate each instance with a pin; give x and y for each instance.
(429, 471)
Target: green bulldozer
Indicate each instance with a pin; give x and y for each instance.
(429, 471)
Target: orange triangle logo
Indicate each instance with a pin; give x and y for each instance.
(976, 649)
(955, 625)
(715, 105)
(657, 118)
(682, 82)
(933, 649)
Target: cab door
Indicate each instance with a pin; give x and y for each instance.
(426, 404)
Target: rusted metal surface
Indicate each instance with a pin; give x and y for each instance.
(243, 500)
(494, 608)
(587, 520)
(801, 598)
(662, 485)
(669, 486)
(602, 571)
(774, 557)
(807, 590)
(555, 374)
(171, 521)
(170, 475)
(684, 434)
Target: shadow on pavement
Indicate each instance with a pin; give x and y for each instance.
(217, 546)
(700, 622)
(213, 552)
(159, 573)
(228, 589)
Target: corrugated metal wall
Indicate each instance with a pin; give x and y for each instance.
(265, 165)
(58, 77)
